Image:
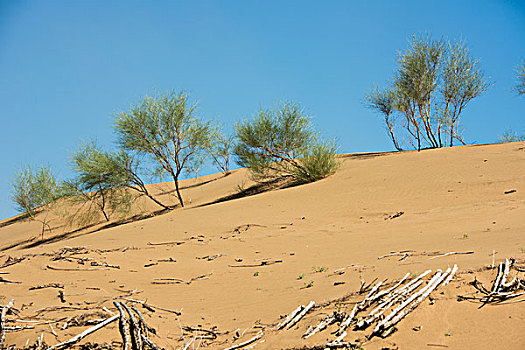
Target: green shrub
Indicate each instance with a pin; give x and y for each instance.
(282, 143)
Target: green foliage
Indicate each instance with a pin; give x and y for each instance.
(98, 187)
(320, 268)
(301, 276)
(511, 136)
(281, 142)
(221, 149)
(309, 284)
(165, 129)
(434, 82)
(33, 189)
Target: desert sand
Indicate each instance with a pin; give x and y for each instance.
(236, 263)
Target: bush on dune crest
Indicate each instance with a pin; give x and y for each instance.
(33, 189)
(434, 82)
(281, 142)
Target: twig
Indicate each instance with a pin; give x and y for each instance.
(152, 307)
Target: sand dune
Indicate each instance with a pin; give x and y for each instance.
(461, 199)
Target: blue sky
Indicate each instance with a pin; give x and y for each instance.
(66, 67)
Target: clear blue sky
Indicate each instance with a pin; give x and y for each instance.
(67, 66)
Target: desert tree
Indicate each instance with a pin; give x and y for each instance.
(165, 129)
(220, 150)
(282, 143)
(34, 192)
(96, 187)
(383, 102)
(434, 82)
(115, 171)
(520, 77)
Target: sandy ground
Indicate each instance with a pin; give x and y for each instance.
(451, 200)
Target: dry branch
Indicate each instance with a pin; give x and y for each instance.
(427, 290)
(248, 342)
(290, 317)
(262, 263)
(451, 253)
(82, 335)
(123, 326)
(11, 261)
(301, 314)
(3, 280)
(152, 307)
(68, 269)
(2, 321)
(322, 325)
(347, 321)
(49, 285)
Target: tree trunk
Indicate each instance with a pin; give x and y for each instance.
(176, 181)
(452, 135)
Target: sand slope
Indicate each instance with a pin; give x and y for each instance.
(451, 200)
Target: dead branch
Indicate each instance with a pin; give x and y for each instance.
(68, 269)
(11, 261)
(123, 326)
(301, 314)
(165, 243)
(248, 342)
(152, 307)
(428, 289)
(49, 285)
(82, 335)
(3, 280)
(347, 321)
(262, 263)
(322, 325)
(290, 316)
(2, 321)
(179, 281)
(451, 253)
(94, 263)
(212, 334)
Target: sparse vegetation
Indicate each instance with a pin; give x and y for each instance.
(32, 190)
(435, 81)
(281, 143)
(320, 268)
(511, 136)
(301, 276)
(309, 284)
